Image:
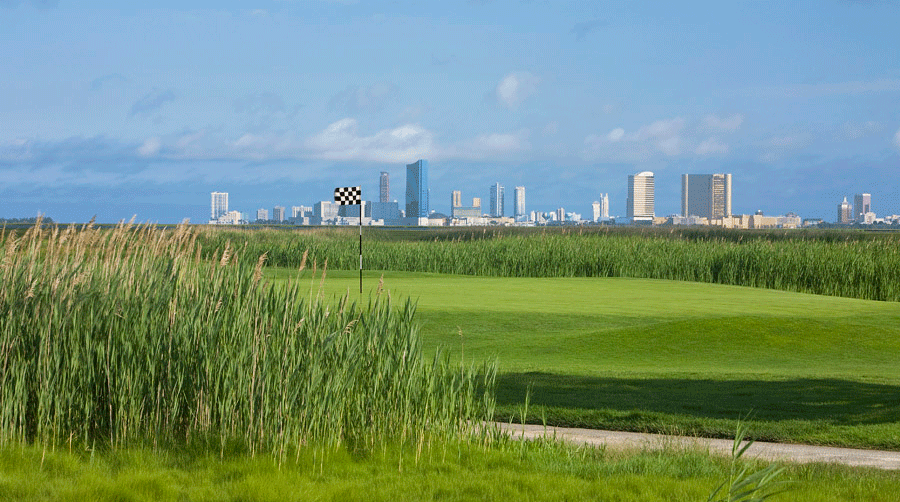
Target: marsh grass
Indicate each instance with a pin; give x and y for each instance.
(850, 264)
(137, 335)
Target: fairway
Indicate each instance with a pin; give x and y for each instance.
(640, 354)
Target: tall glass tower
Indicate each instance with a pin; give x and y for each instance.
(417, 189)
(519, 202)
(496, 200)
(385, 187)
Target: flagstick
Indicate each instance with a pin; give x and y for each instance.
(361, 203)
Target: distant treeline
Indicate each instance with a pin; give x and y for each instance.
(26, 221)
(848, 263)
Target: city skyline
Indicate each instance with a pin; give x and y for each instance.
(129, 109)
(704, 196)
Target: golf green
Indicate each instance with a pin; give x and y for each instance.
(668, 356)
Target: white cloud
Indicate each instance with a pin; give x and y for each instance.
(150, 147)
(851, 131)
(515, 88)
(551, 128)
(661, 130)
(777, 147)
(358, 99)
(663, 137)
(491, 146)
(711, 146)
(726, 124)
(341, 141)
(15, 150)
(897, 139)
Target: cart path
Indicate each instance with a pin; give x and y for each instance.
(780, 452)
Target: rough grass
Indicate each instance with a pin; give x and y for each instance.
(668, 356)
(510, 471)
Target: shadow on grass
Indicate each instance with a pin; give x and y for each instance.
(825, 401)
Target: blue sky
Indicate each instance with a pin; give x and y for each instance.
(118, 110)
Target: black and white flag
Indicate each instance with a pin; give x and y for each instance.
(348, 196)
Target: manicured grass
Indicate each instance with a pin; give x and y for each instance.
(509, 471)
(667, 356)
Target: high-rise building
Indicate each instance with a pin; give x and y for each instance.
(604, 206)
(560, 215)
(326, 210)
(301, 211)
(417, 189)
(639, 205)
(595, 210)
(262, 214)
(455, 199)
(862, 204)
(496, 200)
(706, 195)
(389, 212)
(278, 213)
(219, 205)
(476, 201)
(519, 202)
(845, 212)
(385, 186)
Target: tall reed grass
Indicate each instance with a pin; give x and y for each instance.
(131, 336)
(855, 265)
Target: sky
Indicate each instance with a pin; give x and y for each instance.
(130, 109)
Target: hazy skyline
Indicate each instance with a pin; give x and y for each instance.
(116, 110)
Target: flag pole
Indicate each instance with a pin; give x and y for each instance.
(349, 196)
(361, 203)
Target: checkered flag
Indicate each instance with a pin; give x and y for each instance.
(348, 196)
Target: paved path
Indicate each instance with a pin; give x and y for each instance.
(798, 453)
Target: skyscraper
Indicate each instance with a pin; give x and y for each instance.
(219, 205)
(417, 189)
(862, 204)
(385, 184)
(262, 214)
(278, 213)
(639, 205)
(496, 200)
(601, 208)
(706, 195)
(519, 202)
(455, 199)
(845, 212)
